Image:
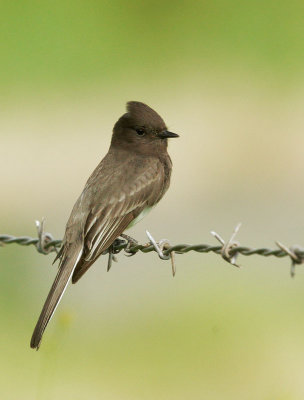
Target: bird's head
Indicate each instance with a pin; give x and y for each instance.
(141, 129)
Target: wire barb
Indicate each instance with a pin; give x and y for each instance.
(295, 257)
(111, 258)
(227, 248)
(44, 238)
(163, 244)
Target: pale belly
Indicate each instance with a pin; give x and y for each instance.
(144, 212)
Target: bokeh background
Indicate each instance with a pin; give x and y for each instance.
(228, 76)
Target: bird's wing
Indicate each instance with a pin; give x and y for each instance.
(118, 207)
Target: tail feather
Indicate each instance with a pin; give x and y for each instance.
(61, 281)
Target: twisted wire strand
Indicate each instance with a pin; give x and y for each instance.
(53, 244)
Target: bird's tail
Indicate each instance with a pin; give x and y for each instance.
(66, 268)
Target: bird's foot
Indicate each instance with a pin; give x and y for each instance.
(117, 245)
(131, 243)
(112, 250)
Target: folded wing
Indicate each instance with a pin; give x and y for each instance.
(115, 209)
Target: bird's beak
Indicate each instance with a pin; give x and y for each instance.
(167, 134)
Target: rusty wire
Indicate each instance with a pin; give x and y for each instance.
(229, 250)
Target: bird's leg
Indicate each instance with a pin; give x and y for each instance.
(131, 242)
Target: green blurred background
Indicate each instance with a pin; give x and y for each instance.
(228, 76)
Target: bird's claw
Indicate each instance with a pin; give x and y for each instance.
(131, 242)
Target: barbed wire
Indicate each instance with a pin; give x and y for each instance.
(229, 250)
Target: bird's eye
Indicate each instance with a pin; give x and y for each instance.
(140, 131)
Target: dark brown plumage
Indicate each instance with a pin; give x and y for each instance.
(132, 177)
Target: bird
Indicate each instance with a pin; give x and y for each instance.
(128, 182)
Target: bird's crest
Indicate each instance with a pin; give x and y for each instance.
(144, 115)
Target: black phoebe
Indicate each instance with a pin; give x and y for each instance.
(128, 182)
